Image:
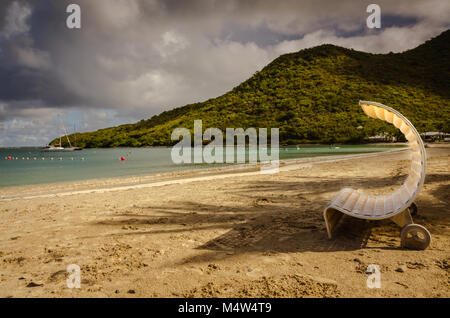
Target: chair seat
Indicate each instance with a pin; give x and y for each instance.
(357, 204)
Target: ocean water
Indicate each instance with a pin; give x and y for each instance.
(33, 166)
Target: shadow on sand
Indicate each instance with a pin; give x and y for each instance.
(282, 219)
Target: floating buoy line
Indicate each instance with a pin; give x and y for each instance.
(52, 158)
(43, 158)
(11, 158)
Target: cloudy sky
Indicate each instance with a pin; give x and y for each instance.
(132, 59)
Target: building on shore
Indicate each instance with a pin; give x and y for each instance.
(435, 136)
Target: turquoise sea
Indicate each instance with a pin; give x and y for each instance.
(34, 166)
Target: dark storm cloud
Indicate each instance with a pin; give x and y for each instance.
(26, 70)
(135, 58)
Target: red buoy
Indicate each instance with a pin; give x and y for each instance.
(9, 158)
(122, 158)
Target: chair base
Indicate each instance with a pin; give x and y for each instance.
(414, 236)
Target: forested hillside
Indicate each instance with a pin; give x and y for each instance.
(312, 96)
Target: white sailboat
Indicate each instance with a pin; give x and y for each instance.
(60, 147)
(54, 148)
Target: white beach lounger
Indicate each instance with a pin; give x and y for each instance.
(399, 205)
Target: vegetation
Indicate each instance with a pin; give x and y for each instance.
(312, 96)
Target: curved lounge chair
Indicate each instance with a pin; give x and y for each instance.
(398, 205)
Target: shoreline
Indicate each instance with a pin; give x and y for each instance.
(102, 185)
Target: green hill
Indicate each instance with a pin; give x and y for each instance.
(312, 96)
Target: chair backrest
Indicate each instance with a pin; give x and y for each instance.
(406, 194)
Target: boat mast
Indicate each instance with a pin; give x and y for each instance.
(75, 134)
(68, 140)
(65, 132)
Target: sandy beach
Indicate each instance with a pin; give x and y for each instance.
(224, 233)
